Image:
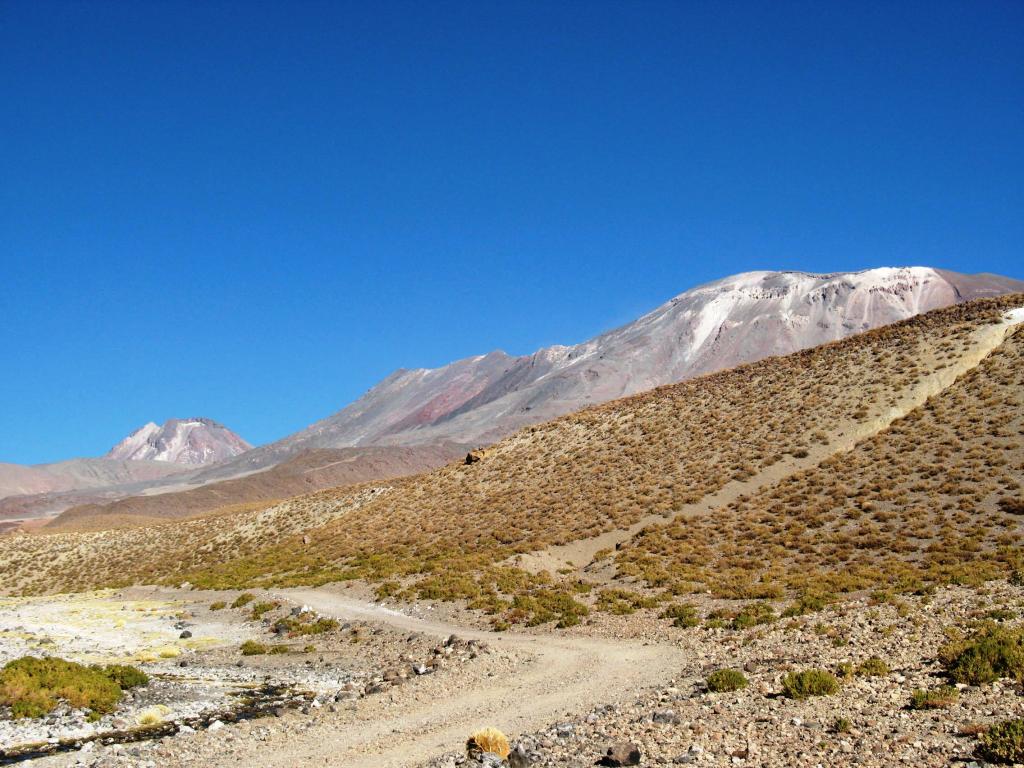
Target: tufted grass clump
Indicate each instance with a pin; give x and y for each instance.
(243, 600)
(125, 676)
(306, 624)
(1003, 742)
(31, 686)
(252, 648)
(622, 602)
(753, 614)
(218, 605)
(726, 680)
(934, 698)
(488, 740)
(872, 667)
(261, 608)
(991, 653)
(810, 682)
(682, 615)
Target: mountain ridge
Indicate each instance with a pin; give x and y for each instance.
(712, 326)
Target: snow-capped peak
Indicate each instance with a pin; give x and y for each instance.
(193, 442)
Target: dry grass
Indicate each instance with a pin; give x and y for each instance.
(441, 534)
(921, 503)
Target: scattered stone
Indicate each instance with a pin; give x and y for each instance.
(621, 753)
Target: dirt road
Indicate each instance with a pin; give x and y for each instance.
(548, 677)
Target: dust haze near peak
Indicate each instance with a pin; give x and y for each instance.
(711, 327)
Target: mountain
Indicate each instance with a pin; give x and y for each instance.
(307, 471)
(192, 442)
(481, 399)
(17, 479)
(711, 327)
(914, 430)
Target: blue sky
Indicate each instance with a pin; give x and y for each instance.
(254, 211)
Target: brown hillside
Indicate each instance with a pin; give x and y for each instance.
(602, 469)
(935, 498)
(307, 472)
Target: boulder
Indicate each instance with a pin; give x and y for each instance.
(621, 753)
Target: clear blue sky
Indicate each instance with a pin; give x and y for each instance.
(254, 211)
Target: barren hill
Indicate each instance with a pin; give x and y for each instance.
(711, 327)
(308, 471)
(638, 461)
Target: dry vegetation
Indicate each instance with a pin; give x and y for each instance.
(920, 501)
(930, 500)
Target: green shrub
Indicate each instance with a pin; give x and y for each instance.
(806, 604)
(722, 680)
(260, 608)
(810, 682)
(684, 616)
(252, 648)
(304, 625)
(992, 652)
(243, 599)
(277, 650)
(935, 698)
(873, 667)
(31, 686)
(217, 605)
(841, 725)
(622, 602)
(753, 614)
(124, 675)
(1003, 742)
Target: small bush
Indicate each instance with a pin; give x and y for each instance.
(810, 682)
(252, 648)
(806, 604)
(992, 652)
(935, 698)
(622, 602)
(722, 680)
(1012, 506)
(124, 675)
(217, 605)
(31, 686)
(684, 616)
(1003, 742)
(152, 715)
(753, 614)
(260, 608)
(873, 667)
(841, 725)
(488, 740)
(243, 600)
(302, 625)
(277, 650)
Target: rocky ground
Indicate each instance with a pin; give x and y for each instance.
(684, 723)
(375, 684)
(199, 679)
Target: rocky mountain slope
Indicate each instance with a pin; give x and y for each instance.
(307, 471)
(17, 479)
(711, 327)
(480, 399)
(192, 442)
(638, 461)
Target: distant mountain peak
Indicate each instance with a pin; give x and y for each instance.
(736, 319)
(194, 441)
